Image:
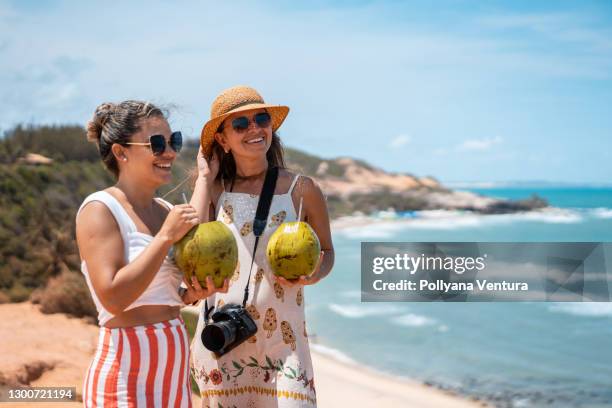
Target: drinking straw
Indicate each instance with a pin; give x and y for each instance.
(300, 210)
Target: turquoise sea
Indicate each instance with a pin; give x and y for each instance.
(513, 354)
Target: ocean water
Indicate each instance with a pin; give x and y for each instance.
(513, 354)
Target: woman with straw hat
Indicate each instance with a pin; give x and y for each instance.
(273, 367)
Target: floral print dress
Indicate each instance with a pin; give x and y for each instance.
(273, 368)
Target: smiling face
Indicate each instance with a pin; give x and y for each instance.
(139, 162)
(253, 142)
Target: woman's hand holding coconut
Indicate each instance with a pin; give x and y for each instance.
(179, 221)
(195, 291)
(311, 279)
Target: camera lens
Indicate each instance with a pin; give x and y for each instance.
(217, 336)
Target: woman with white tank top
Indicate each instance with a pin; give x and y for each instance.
(124, 237)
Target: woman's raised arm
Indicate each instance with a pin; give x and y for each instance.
(204, 190)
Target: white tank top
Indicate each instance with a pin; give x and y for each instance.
(163, 289)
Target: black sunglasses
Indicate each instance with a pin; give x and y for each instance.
(157, 143)
(242, 123)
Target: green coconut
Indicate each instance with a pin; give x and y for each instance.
(209, 249)
(293, 250)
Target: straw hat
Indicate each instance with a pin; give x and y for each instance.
(232, 100)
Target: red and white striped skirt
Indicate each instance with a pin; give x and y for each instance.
(141, 366)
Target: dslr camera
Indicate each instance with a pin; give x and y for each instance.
(231, 326)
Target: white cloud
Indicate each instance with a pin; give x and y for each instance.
(480, 144)
(399, 141)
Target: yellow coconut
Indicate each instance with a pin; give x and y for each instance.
(293, 250)
(208, 249)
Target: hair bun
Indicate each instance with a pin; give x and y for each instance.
(100, 117)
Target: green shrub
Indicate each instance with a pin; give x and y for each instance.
(67, 293)
(18, 293)
(191, 322)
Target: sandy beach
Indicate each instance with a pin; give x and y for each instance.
(55, 350)
(346, 385)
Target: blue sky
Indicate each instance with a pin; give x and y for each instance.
(462, 91)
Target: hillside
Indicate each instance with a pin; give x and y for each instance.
(352, 185)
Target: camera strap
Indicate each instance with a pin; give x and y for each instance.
(261, 217)
(259, 225)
